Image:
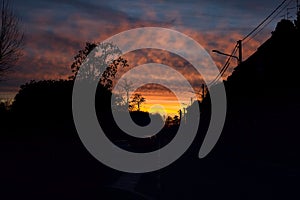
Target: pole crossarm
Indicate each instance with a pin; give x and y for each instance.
(225, 54)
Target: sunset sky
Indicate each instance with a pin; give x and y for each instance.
(56, 30)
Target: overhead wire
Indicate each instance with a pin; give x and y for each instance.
(275, 16)
(225, 67)
(270, 15)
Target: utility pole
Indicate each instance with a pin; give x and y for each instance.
(240, 51)
(239, 57)
(183, 115)
(180, 114)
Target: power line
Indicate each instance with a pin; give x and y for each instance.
(264, 21)
(253, 36)
(228, 61)
(224, 68)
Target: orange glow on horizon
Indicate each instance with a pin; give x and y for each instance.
(161, 101)
(169, 107)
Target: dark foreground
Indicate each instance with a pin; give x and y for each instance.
(49, 166)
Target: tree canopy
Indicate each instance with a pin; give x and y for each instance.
(101, 61)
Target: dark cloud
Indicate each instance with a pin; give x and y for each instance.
(56, 29)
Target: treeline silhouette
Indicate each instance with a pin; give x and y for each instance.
(44, 155)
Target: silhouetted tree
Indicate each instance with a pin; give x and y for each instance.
(137, 100)
(285, 28)
(80, 57)
(176, 120)
(111, 70)
(2, 107)
(44, 100)
(11, 38)
(100, 60)
(126, 87)
(118, 103)
(169, 121)
(6, 103)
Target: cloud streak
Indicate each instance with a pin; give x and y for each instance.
(56, 30)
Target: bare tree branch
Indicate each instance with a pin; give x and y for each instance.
(11, 38)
